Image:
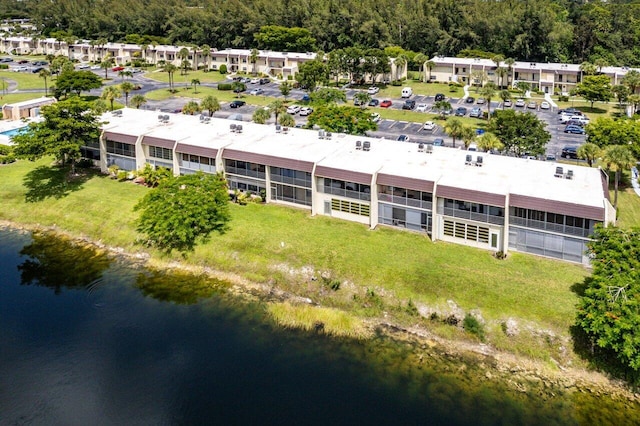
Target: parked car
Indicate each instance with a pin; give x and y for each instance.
(95, 67)
(237, 103)
(476, 112)
(422, 107)
(264, 80)
(245, 80)
(293, 109)
(429, 125)
(373, 90)
(481, 101)
(21, 68)
(241, 88)
(545, 105)
(375, 117)
(304, 111)
(460, 111)
(570, 111)
(403, 138)
(571, 128)
(256, 92)
(520, 103)
(255, 80)
(116, 68)
(83, 66)
(305, 98)
(6, 60)
(36, 70)
(357, 101)
(508, 103)
(409, 104)
(374, 102)
(386, 103)
(439, 97)
(438, 142)
(23, 61)
(569, 152)
(550, 157)
(470, 100)
(39, 63)
(575, 123)
(532, 105)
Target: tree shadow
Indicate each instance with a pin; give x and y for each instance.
(53, 182)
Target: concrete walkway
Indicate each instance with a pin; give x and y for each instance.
(547, 97)
(466, 92)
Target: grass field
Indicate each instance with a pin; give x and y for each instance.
(25, 80)
(397, 265)
(179, 79)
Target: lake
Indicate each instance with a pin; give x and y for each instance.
(89, 339)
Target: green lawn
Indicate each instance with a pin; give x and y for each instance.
(628, 208)
(398, 265)
(25, 80)
(179, 79)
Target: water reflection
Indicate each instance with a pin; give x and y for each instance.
(59, 263)
(179, 287)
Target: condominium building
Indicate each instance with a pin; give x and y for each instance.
(547, 77)
(487, 201)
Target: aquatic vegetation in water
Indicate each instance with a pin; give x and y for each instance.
(179, 287)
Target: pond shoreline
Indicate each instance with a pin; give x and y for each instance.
(519, 373)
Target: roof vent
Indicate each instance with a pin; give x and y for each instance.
(421, 147)
(327, 135)
(233, 127)
(278, 128)
(479, 161)
(559, 172)
(366, 146)
(429, 149)
(358, 144)
(285, 130)
(569, 175)
(117, 113)
(468, 160)
(321, 134)
(239, 128)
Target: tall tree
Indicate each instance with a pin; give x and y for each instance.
(106, 63)
(206, 52)
(253, 58)
(277, 107)
(126, 88)
(194, 83)
(520, 132)
(261, 115)
(211, 104)
(589, 152)
(400, 63)
(488, 92)
(618, 158)
(184, 211)
(312, 73)
(45, 74)
(67, 126)
(110, 94)
(595, 88)
(454, 128)
(191, 108)
(420, 60)
(343, 119)
(170, 69)
(285, 89)
(138, 100)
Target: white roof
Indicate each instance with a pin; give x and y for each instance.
(31, 102)
(445, 166)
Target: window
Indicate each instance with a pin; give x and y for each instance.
(350, 207)
(466, 231)
(159, 152)
(120, 148)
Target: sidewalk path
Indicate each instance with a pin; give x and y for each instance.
(634, 180)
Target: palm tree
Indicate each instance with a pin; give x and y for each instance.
(488, 92)
(498, 59)
(501, 72)
(44, 74)
(420, 59)
(509, 63)
(261, 115)
(523, 87)
(400, 62)
(125, 73)
(443, 107)
(206, 52)
(505, 95)
(590, 152)
(430, 66)
(618, 158)
(101, 42)
(285, 89)
(488, 142)
(363, 98)
(468, 135)
(191, 108)
(287, 120)
(454, 128)
(170, 69)
(138, 100)
(143, 50)
(278, 107)
(600, 63)
(106, 63)
(183, 54)
(110, 93)
(194, 83)
(253, 58)
(211, 104)
(126, 88)
(631, 80)
(588, 68)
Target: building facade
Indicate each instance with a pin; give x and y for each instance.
(487, 201)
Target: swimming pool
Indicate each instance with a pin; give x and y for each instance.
(14, 132)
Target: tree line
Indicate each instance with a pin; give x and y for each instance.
(536, 30)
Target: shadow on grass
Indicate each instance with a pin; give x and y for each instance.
(53, 182)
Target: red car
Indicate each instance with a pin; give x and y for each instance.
(116, 69)
(385, 104)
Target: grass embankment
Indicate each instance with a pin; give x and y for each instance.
(378, 270)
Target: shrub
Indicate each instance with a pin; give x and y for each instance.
(122, 175)
(6, 159)
(473, 326)
(153, 177)
(5, 149)
(113, 170)
(411, 308)
(4, 67)
(333, 284)
(223, 69)
(563, 98)
(396, 83)
(225, 86)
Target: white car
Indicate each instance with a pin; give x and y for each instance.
(293, 109)
(83, 66)
(304, 111)
(545, 105)
(421, 108)
(20, 69)
(373, 90)
(429, 125)
(95, 67)
(375, 117)
(256, 92)
(255, 80)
